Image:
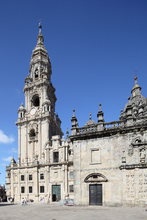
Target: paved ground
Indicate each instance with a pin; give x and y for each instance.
(47, 212)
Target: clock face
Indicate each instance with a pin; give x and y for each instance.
(33, 111)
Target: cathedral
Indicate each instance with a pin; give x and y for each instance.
(100, 163)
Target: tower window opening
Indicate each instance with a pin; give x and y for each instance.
(22, 178)
(56, 157)
(32, 133)
(36, 73)
(42, 176)
(22, 189)
(35, 101)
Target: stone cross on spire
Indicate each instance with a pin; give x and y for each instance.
(40, 28)
(136, 89)
(90, 116)
(40, 39)
(135, 80)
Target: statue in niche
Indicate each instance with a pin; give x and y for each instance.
(35, 157)
(130, 150)
(43, 155)
(41, 69)
(36, 73)
(123, 157)
(142, 155)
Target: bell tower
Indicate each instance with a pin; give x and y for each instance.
(37, 121)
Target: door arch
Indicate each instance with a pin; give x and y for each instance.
(95, 188)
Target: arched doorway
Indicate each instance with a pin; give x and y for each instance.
(95, 188)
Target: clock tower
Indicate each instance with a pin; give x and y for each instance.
(37, 120)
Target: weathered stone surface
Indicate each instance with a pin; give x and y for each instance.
(100, 163)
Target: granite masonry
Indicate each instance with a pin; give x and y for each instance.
(97, 164)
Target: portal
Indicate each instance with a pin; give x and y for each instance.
(95, 194)
(56, 193)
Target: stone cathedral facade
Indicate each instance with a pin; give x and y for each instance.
(97, 164)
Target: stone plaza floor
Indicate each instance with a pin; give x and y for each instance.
(49, 212)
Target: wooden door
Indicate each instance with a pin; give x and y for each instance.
(95, 194)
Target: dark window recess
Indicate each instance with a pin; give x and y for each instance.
(69, 152)
(30, 189)
(35, 101)
(22, 178)
(71, 188)
(32, 133)
(55, 157)
(41, 189)
(42, 176)
(22, 189)
(95, 176)
(36, 73)
(30, 177)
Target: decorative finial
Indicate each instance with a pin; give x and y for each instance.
(40, 27)
(90, 116)
(136, 80)
(100, 108)
(67, 133)
(73, 111)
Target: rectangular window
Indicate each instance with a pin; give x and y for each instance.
(71, 188)
(22, 189)
(95, 156)
(30, 189)
(41, 189)
(22, 178)
(42, 176)
(55, 157)
(30, 177)
(71, 174)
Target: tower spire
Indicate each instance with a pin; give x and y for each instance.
(40, 63)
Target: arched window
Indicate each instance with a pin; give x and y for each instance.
(32, 133)
(35, 101)
(36, 73)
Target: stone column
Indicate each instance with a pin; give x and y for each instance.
(36, 184)
(12, 183)
(19, 143)
(40, 139)
(26, 144)
(18, 190)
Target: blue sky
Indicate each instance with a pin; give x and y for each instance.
(96, 47)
